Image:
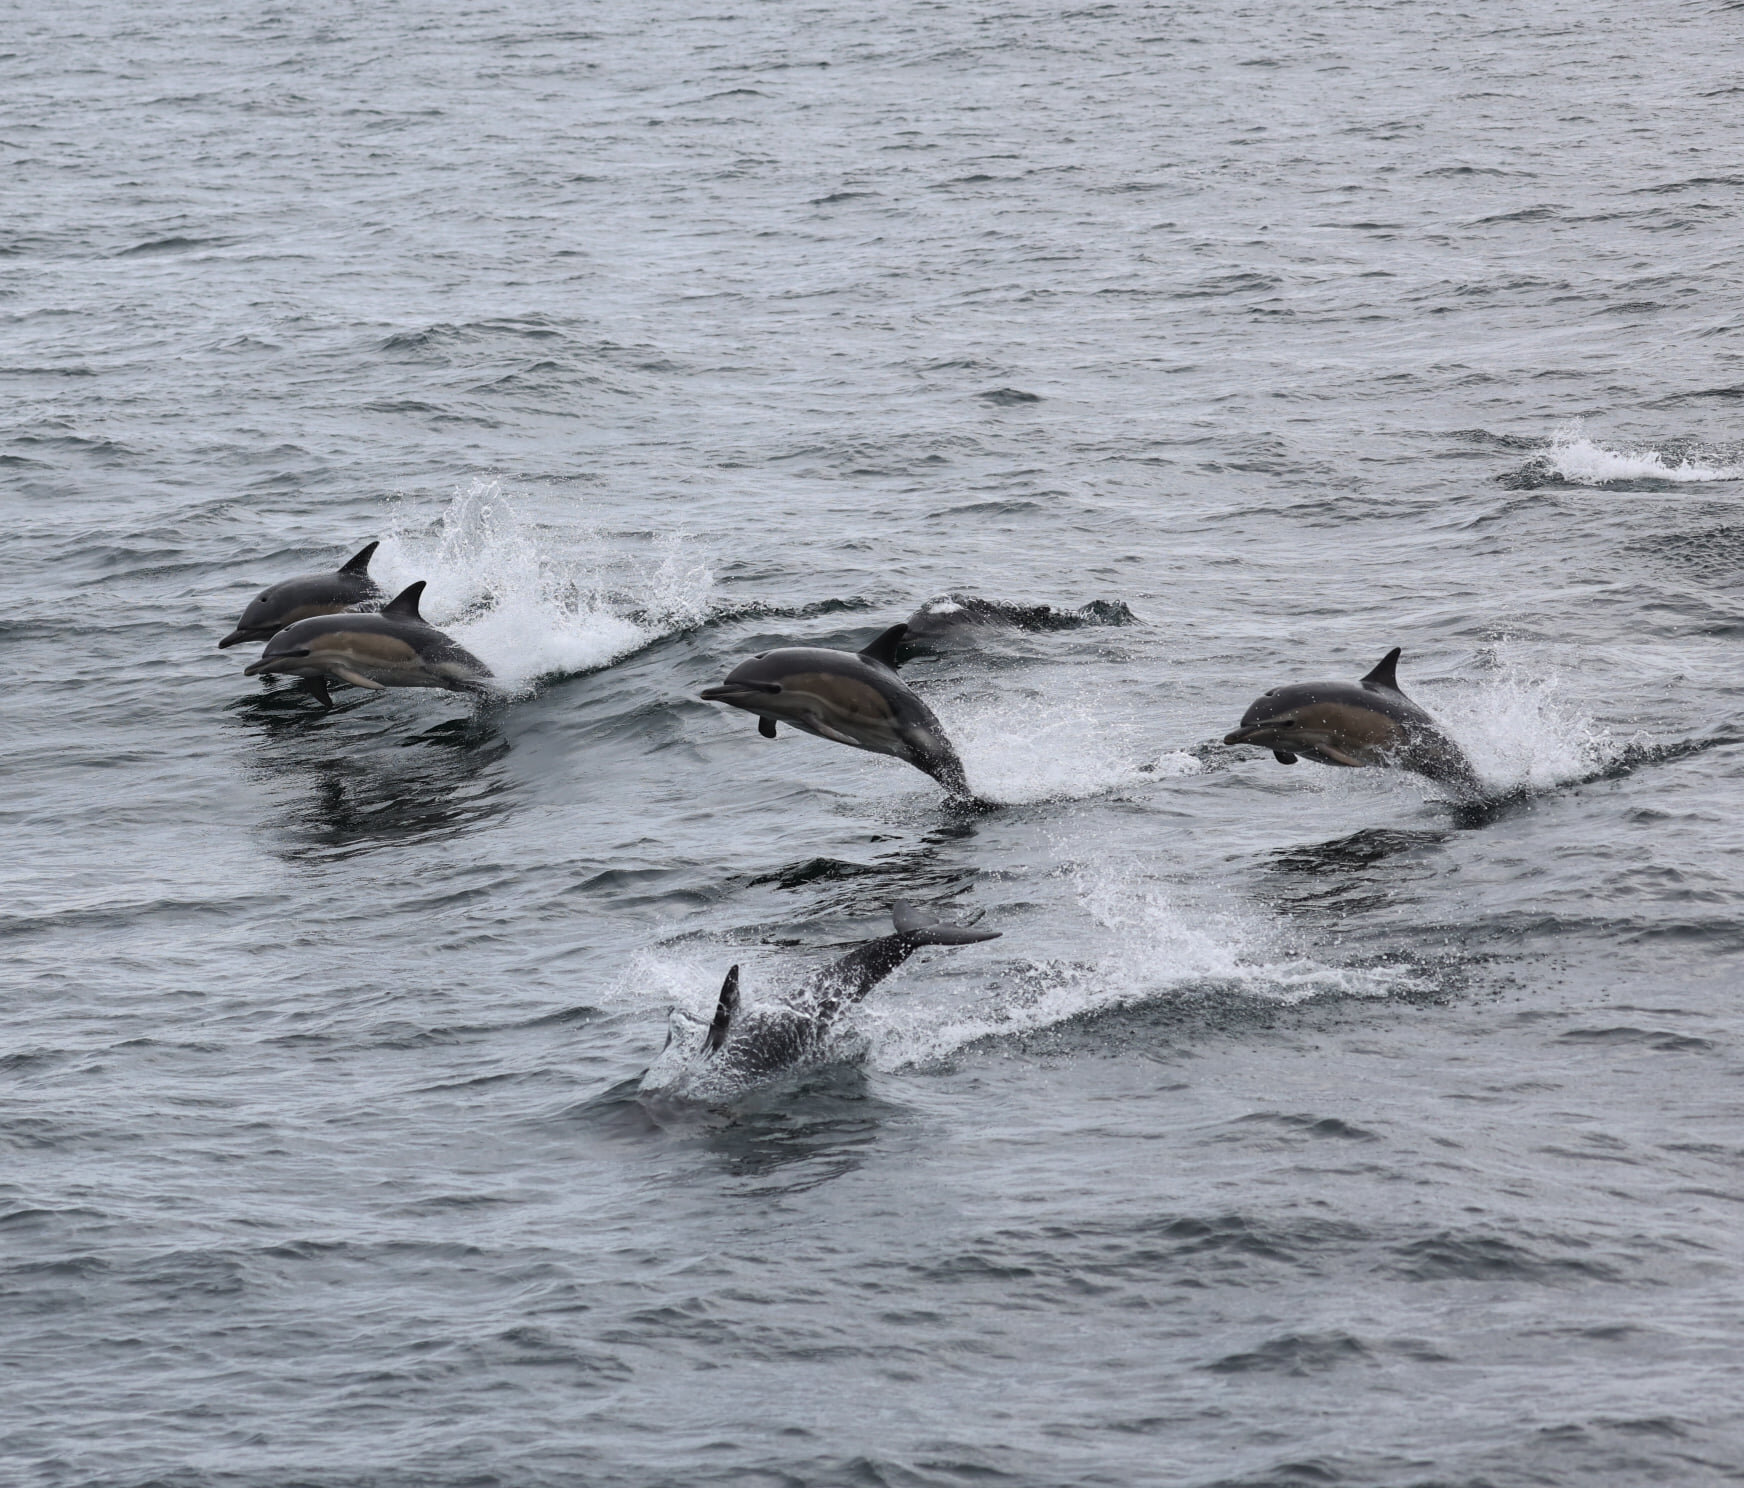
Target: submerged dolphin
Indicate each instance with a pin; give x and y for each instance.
(393, 648)
(951, 616)
(854, 698)
(305, 596)
(1362, 723)
(742, 1048)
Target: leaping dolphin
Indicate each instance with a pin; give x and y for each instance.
(396, 647)
(1370, 722)
(854, 698)
(743, 1047)
(306, 596)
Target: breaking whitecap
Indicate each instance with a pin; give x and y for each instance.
(1574, 459)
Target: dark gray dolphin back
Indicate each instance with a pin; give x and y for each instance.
(305, 597)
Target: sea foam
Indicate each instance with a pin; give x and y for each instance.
(1521, 733)
(1578, 459)
(1147, 941)
(533, 602)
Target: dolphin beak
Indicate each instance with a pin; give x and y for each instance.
(727, 691)
(254, 669)
(1242, 735)
(237, 637)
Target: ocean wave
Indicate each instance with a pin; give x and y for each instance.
(1574, 459)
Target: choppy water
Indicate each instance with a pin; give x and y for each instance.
(1302, 1128)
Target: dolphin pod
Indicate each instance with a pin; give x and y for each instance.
(744, 1047)
(324, 628)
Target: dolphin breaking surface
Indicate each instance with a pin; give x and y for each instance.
(1305, 1124)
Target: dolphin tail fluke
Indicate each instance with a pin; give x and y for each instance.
(358, 563)
(857, 973)
(924, 928)
(882, 649)
(724, 1010)
(1385, 673)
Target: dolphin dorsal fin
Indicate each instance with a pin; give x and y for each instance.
(1385, 673)
(724, 1010)
(404, 605)
(882, 649)
(359, 562)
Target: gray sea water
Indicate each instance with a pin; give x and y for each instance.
(1304, 1127)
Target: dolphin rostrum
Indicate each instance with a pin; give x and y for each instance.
(1369, 722)
(305, 596)
(743, 1047)
(395, 647)
(854, 698)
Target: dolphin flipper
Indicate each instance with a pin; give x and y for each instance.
(766, 727)
(316, 687)
(357, 679)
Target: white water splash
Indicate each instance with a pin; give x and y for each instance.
(1520, 733)
(1146, 941)
(1017, 751)
(532, 603)
(1576, 458)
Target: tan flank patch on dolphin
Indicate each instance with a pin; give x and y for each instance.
(370, 647)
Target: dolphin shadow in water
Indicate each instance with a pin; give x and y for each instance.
(340, 793)
(740, 1049)
(785, 1137)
